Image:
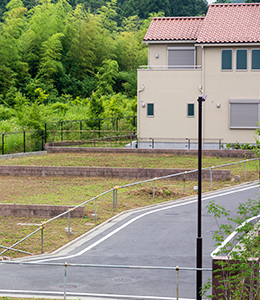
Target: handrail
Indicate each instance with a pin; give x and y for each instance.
(114, 190)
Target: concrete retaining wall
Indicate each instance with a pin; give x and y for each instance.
(45, 211)
(126, 173)
(220, 153)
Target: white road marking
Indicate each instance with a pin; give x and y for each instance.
(90, 295)
(141, 216)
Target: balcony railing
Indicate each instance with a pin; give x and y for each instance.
(170, 67)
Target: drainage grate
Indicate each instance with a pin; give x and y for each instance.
(122, 280)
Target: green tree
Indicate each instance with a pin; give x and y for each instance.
(181, 8)
(237, 274)
(144, 8)
(50, 64)
(106, 76)
(223, 1)
(45, 20)
(81, 53)
(130, 50)
(13, 71)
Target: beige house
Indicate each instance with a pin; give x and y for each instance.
(217, 55)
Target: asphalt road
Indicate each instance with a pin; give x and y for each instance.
(162, 236)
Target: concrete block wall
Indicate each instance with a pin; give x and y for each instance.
(220, 153)
(43, 211)
(125, 173)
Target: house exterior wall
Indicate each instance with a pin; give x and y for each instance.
(171, 90)
(221, 86)
(161, 50)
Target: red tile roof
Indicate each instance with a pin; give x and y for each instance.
(231, 23)
(169, 29)
(224, 23)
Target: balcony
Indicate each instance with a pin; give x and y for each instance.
(170, 67)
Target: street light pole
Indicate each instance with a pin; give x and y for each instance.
(200, 99)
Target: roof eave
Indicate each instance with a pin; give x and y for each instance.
(228, 44)
(168, 41)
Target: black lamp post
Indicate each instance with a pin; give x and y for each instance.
(200, 99)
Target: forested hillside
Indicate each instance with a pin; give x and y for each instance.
(74, 59)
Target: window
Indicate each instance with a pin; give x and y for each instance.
(244, 114)
(181, 57)
(256, 59)
(226, 59)
(150, 109)
(190, 109)
(241, 59)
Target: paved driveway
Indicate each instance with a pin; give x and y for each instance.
(162, 235)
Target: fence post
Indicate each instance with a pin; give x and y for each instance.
(219, 143)
(24, 141)
(245, 168)
(177, 283)
(116, 196)
(3, 143)
(184, 180)
(52, 137)
(80, 129)
(42, 140)
(131, 139)
(211, 176)
(65, 279)
(152, 143)
(154, 189)
(96, 208)
(116, 124)
(45, 133)
(61, 131)
(134, 123)
(94, 138)
(42, 227)
(99, 127)
(114, 204)
(69, 223)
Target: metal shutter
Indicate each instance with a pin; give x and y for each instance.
(244, 113)
(181, 56)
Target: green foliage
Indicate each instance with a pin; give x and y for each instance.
(237, 146)
(50, 64)
(5, 113)
(106, 76)
(238, 274)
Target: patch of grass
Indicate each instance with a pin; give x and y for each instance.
(73, 191)
(120, 160)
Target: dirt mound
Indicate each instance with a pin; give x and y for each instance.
(163, 192)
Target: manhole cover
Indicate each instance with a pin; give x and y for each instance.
(69, 286)
(122, 280)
